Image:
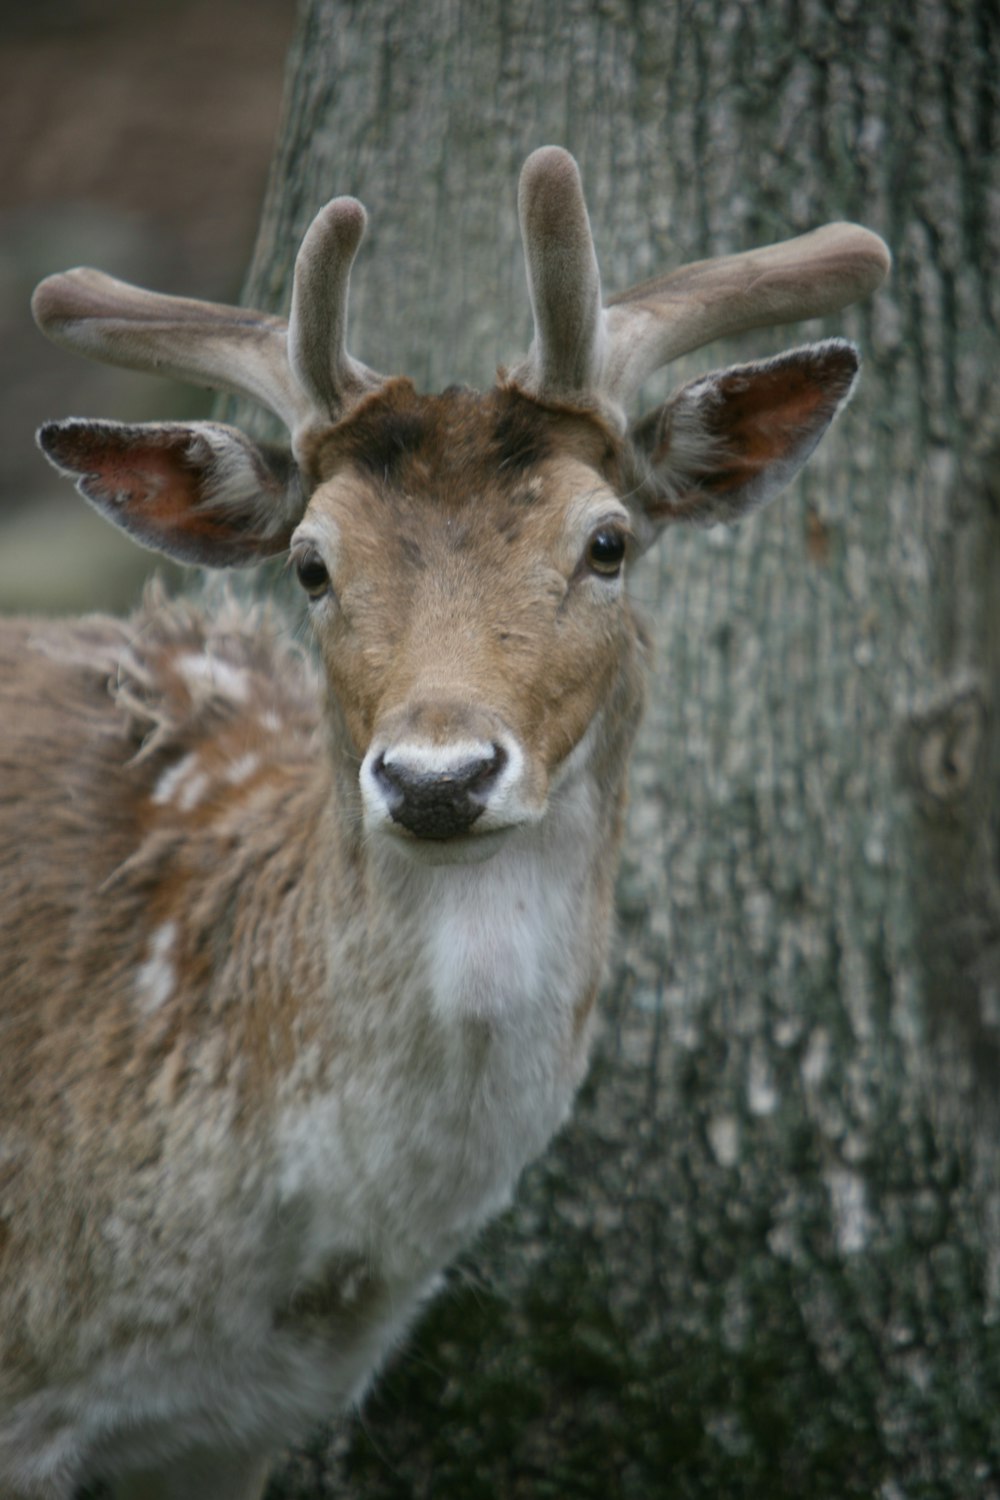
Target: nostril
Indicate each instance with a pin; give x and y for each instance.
(489, 771)
(382, 773)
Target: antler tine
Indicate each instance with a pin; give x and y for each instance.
(564, 282)
(227, 348)
(317, 332)
(807, 277)
(603, 355)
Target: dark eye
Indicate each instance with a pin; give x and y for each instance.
(312, 574)
(606, 552)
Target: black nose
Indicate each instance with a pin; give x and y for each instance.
(438, 804)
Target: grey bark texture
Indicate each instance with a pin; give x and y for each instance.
(764, 1260)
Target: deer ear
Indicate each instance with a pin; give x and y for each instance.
(726, 444)
(201, 492)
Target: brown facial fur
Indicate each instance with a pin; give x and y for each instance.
(457, 529)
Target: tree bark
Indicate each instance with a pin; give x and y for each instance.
(764, 1260)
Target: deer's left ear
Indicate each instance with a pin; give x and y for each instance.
(726, 444)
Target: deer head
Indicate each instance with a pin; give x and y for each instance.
(463, 554)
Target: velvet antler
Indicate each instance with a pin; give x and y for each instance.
(582, 350)
(300, 370)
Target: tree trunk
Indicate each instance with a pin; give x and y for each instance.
(764, 1260)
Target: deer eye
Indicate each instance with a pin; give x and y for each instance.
(606, 552)
(312, 573)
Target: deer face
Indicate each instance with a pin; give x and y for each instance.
(464, 559)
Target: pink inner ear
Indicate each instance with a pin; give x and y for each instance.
(732, 440)
(154, 491)
(160, 494)
(762, 420)
(141, 476)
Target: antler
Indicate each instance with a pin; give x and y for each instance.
(300, 370)
(317, 329)
(564, 282)
(303, 372)
(583, 351)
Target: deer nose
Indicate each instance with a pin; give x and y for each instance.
(434, 796)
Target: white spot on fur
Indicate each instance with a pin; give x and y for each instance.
(192, 791)
(242, 768)
(172, 778)
(200, 670)
(156, 979)
(183, 784)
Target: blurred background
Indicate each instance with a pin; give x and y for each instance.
(135, 138)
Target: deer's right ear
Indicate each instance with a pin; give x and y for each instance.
(201, 492)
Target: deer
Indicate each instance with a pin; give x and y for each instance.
(300, 946)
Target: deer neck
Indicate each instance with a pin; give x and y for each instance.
(482, 976)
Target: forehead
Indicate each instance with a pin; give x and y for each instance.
(463, 448)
